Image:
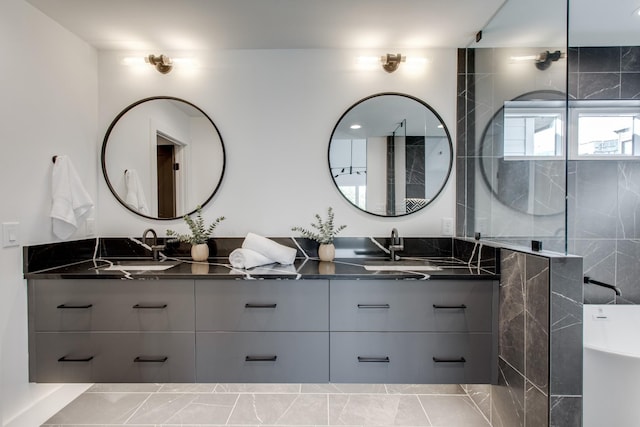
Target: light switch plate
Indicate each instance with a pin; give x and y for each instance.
(10, 234)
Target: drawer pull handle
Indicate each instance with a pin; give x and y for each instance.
(144, 306)
(150, 359)
(249, 305)
(75, 306)
(364, 359)
(374, 306)
(75, 359)
(447, 360)
(452, 307)
(260, 358)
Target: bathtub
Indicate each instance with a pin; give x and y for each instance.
(611, 366)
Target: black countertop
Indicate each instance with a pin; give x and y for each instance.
(74, 260)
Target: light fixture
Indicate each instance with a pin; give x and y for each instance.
(391, 62)
(162, 63)
(544, 59)
(355, 126)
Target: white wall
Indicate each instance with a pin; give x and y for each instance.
(275, 110)
(49, 104)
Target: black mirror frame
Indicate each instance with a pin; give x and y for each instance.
(444, 127)
(104, 149)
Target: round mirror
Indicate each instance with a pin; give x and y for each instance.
(390, 154)
(522, 156)
(162, 157)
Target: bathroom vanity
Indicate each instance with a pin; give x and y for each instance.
(310, 322)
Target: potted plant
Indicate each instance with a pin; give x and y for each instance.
(199, 235)
(324, 233)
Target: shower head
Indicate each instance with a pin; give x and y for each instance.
(544, 59)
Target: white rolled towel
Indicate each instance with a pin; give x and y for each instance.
(270, 249)
(247, 258)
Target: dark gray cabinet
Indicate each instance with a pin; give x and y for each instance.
(265, 305)
(262, 331)
(111, 330)
(434, 331)
(298, 357)
(376, 331)
(411, 357)
(405, 305)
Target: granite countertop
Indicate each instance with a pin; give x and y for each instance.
(450, 263)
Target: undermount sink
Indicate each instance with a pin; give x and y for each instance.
(401, 265)
(140, 266)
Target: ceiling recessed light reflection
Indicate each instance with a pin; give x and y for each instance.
(355, 126)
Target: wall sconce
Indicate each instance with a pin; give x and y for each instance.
(544, 59)
(391, 62)
(162, 63)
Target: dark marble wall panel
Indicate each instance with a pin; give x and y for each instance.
(511, 346)
(628, 271)
(566, 411)
(599, 257)
(536, 407)
(604, 193)
(508, 397)
(599, 59)
(596, 200)
(599, 85)
(630, 58)
(540, 352)
(628, 181)
(566, 327)
(537, 322)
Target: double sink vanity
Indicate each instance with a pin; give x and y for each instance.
(119, 316)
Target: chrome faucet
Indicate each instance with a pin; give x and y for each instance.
(397, 244)
(155, 247)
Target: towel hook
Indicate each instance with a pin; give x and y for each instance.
(53, 159)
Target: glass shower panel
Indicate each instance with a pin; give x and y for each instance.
(516, 119)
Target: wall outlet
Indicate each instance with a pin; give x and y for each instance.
(447, 226)
(90, 227)
(10, 234)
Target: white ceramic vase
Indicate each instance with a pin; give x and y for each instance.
(200, 252)
(326, 252)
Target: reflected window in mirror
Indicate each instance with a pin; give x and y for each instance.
(533, 129)
(162, 157)
(390, 154)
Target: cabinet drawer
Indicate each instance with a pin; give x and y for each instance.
(432, 305)
(114, 357)
(262, 357)
(112, 305)
(264, 305)
(410, 357)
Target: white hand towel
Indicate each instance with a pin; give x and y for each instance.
(135, 194)
(246, 258)
(71, 201)
(277, 252)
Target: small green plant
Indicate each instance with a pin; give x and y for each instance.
(326, 231)
(199, 233)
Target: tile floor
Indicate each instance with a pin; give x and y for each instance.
(190, 405)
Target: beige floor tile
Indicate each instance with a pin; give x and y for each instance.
(343, 388)
(257, 388)
(458, 411)
(376, 410)
(124, 388)
(99, 408)
(425, 389)
(280, 409)
(181, 408)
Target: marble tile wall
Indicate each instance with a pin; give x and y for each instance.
(604, 196)
(540, 343)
